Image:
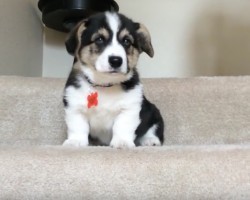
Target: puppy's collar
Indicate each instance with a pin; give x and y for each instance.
(97, 85)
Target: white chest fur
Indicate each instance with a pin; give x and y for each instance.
(112, 102)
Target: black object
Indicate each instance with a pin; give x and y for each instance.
(62, 15)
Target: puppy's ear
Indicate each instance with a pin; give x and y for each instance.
(144, 39)
(73, 41)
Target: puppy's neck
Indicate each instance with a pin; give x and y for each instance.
(97, 85)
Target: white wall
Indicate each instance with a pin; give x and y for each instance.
(195, 37)
(21, 38)
(56, 61)
(191, 38)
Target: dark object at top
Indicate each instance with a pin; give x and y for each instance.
(63, 15)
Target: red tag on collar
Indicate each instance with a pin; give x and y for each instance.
(92, 99)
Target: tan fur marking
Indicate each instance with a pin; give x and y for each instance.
(145, 31)
(133, 56)
(132, 53)
(89, 55)
(124, 33)
(101, 32)
(81, 28)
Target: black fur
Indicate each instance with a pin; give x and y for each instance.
(131, 27)
(72, 81)
(131, 83)
(65, 102)
(71, 42)
(149, 115)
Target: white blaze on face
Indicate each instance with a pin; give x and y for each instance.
(113, 49)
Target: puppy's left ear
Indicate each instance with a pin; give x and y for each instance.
(144, 39)
(74, 39)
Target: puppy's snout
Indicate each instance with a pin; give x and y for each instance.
(115, 61)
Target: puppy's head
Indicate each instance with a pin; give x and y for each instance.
(107, 46)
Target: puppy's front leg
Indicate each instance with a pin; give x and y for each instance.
(78, 129)
(124, 129)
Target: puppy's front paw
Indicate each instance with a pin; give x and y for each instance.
(75, 143)
(122, 144)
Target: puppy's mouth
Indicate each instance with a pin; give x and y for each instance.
(112, 72)
(106, 77)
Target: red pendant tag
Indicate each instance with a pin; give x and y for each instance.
(92, 99)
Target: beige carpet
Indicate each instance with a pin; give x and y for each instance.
(206, 154)
(200, 172)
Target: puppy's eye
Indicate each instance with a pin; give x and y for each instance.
(100, 40)
(126, 42)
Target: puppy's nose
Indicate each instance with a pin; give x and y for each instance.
(115, 61)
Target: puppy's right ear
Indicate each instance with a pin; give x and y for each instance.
(144, 39)
(73, 41)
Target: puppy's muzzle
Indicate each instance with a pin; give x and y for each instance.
(115, 62)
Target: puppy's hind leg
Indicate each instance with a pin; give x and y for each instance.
(150, 138)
